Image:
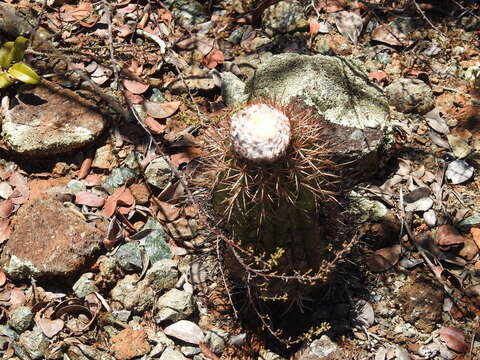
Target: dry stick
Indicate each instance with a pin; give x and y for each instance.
(419, 9)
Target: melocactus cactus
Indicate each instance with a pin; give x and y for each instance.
(271, 168)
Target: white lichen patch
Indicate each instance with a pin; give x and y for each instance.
(260, 133)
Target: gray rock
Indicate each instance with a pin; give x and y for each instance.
(34, 343)
(49, 120)
(459, 147)
(365, 209)
(129, 256)
(171, 354)
(216, 339)
(161, 340)
(422, 204)
(85, 285)
(430, 218)
(174, 305)
(186, 331)
(190, 12)
(190, 350)
(155, 243)
(320, 349)
(284, 17)
(20, 318)
(76, 186)
(458, 172)
(233, 89)
(117, 178)
(158, 173)
(163, 275)
(410, 95)
(7, 331)
(268, 355)
(338, 88)
(133, 294)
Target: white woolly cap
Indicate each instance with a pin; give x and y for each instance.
(260, 133)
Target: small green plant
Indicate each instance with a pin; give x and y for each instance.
(11, 56)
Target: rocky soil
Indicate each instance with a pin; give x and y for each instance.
(109, 245)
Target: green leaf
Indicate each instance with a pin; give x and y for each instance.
(19, 48)
(5, 80)
(24, 73)
(6, 54)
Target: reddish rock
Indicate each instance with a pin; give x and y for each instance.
(48, 240)
(130, 343)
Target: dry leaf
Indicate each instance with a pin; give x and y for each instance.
(476, 235)
(154, 125)
(454, 338)
(160, 110)
(331, 6)
(22, 191)
(384, 259)
(184, 157)
(314, 26)
(349, 25)
(5, 230)
(3, 278)
(6, 208)
(167, 212)
(447, 236)
(386, 34)
(214, 58)
(378, 76)
(17, 297)
(89, 199)
(135, 87)
(50, 327)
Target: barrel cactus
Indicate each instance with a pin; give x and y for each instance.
(270, 171)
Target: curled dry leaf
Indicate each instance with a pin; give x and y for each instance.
(50, 327)
(17, 297)
(123, 198)
(3, 278)
(161, 110)
(213, 58)
(167, 212)
(314, 26)
(135, 87)
(89, 199)
(476, 235)
(384, 259)
(388, 35)
(6, 208)
(447, 236)
(154, 125)
(188, 154)
(22, 191)
(454, 338)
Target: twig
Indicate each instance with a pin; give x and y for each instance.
(108, 14)
(419, 9)
(224, 279)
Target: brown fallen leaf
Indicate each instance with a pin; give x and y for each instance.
(476, 235)
(447, 236)
(3, 278)
(384, 259)
(349, 25)
(5, 230)
(167, 212)
(50, 327)
(386, 34)
(184, 157)
(135, 87)
(154, 125)
(314, 26)
(378, 76)
(89, 199)
(213, 58)
(6, 208)
(160, 110)
(207, 352)
(454, 338)
(22, 191)
(17, 297)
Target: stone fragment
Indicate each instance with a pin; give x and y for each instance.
(216, 339)
(141, 193)
(20, 318)
(133, 294)
(190, 12)
(118, 177)
(460, 148)
(232, 89)
(321, 349)
(129, 343)
(48, 119)
(423, 204)
(104, 158)
(171, 354)
(129, 256)
(283, 17)
(155, 243)
(48, 240)
(163, 275)
(158, 173)
(186, 331)
(35, 343)
(410, 95)
(85, 285)
(174, 305)
(459, 171)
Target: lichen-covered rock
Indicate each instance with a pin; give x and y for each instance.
(410, 95)
(190, 12)
(283, 17)
(48, 241)
(48, 120)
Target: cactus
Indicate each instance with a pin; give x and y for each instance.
(270, 171)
